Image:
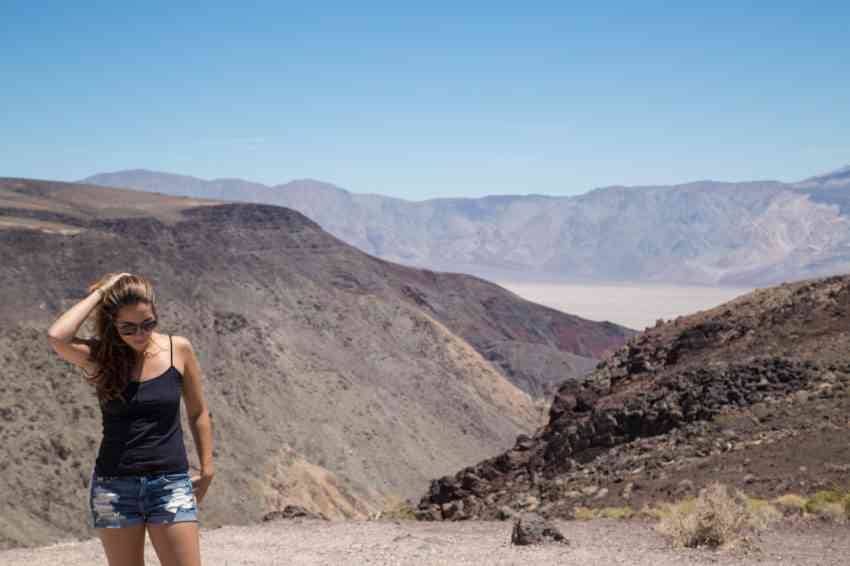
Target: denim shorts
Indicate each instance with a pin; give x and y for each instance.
(123, 501)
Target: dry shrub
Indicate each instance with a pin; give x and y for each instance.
(832, 511)
(665, 510)
(616, 512)
(762, 513)
(396, 509)
(716, 518)
(791, 504)
(587, 514)
(827, 504)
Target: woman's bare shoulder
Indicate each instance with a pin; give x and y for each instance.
(181, 343)
(183, 350)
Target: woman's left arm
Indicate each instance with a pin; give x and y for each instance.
(199, 416)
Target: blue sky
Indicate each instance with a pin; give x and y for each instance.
(427, 99)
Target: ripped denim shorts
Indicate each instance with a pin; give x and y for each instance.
(123, 501)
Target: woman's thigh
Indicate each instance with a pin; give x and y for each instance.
(124, 546)
(176, 544)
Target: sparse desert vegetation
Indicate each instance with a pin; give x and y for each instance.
(396, 509)
(588, 514)
(831, 504)
(718, 517)
(751, 394)
(722, 516)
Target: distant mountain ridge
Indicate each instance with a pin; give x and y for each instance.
(706, 232)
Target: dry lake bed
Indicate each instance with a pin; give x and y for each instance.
(635, 305)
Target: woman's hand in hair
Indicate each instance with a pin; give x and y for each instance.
(106, 282)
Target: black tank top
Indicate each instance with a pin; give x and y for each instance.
(142, 434)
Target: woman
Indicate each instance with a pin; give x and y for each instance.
(141, 478)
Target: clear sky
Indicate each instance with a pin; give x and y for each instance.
(426, 99)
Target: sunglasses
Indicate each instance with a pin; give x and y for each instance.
(130, 328)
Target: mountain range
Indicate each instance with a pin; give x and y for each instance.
(337, 381)
(705, 232)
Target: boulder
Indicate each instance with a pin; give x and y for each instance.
(293, 512)
(530, 528)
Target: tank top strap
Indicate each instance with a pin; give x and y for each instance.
(171, 346)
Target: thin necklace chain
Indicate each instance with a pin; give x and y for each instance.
(141, 363)
(148, 354)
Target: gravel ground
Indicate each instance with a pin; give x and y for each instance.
(601, 542)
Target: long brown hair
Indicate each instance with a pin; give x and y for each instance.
(114, 358)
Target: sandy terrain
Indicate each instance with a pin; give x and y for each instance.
(633, 305)
(467, 543)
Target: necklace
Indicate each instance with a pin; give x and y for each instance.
(149, 354)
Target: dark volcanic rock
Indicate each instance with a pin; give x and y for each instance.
(533, 529)
(293, 512)
(587, 416)
(732, 393)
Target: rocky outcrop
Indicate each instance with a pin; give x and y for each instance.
(534, 529)
(292, 512)
(762, 370)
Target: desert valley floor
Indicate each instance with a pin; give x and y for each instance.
(467, 543)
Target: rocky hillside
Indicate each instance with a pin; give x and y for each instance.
(337, 381)
(754, 393)
(706, 232)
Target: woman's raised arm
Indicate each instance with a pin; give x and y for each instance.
(62, 334)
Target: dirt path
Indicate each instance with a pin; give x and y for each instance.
(468, 543)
